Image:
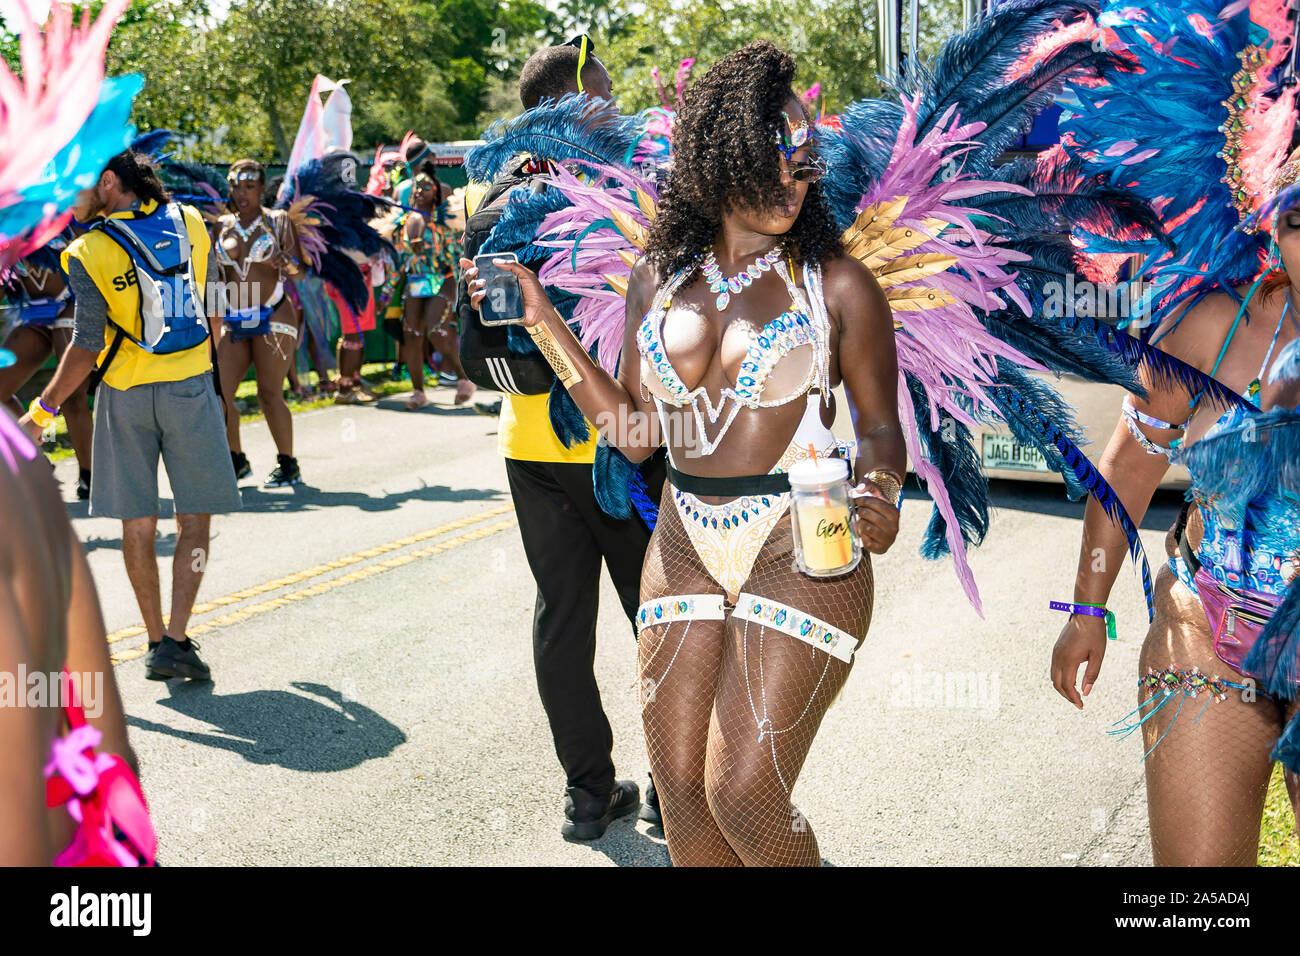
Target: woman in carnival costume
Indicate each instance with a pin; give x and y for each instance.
(43, 328)
(1201, 136)
(427, 256)
(257, 249)
(829, 231)
(58, 127)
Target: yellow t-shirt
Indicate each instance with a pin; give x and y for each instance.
(110, 268)
(525, 432)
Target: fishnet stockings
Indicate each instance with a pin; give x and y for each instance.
(1207, 779)
(709, 687)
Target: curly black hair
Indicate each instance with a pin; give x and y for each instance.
(725, 157)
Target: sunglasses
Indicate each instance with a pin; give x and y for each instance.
(244, 176)
(806, 172)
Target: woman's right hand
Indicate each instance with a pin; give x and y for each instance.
(1082, 640)
(537, 307)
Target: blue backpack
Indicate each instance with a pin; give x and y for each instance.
(172, 318)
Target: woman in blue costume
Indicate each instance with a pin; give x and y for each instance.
(257, 249)
(1222, 649)
(44, 328)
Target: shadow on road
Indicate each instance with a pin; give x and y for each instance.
(625, 845)
(1048, 498)
(397, 402)
(306, 498)
(294, 731)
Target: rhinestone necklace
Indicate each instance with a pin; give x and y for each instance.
(244, 234)
(725, 287)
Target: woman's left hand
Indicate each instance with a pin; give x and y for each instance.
(875, 519)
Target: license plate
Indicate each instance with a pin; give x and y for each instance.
(1003, 451)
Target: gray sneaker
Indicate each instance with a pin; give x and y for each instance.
(169, 659)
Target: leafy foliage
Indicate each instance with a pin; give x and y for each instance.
(230, 77)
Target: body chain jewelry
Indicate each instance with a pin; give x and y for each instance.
(764, 724)
(725, 287)
(655, 653)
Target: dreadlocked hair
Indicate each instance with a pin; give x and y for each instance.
(139, 175)
(725, 157)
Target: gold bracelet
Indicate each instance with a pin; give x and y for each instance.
(555, 354)
(890, 485)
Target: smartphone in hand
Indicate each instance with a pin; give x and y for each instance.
(504, 302)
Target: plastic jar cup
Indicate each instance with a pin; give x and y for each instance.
(825, 544)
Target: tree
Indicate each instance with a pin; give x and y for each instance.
(834, 42)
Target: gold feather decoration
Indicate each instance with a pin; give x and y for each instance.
(617, 283)
(912, 268)
(917, 299)
(632, 230)
(873, 239)
(646, 205)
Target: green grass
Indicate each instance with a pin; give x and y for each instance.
(376, 373)
(1278, 844)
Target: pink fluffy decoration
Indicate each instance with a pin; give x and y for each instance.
(1269, 122)
(600, 314)
(1047, 45)
(63, 69)
(946, 345)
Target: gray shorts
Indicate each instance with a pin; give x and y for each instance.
(183, 422)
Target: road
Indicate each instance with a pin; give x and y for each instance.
(374, 700)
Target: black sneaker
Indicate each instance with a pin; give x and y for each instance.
(490, 409)
(242, 468)
(588, 817)
(286, 473)
(650, 808)
(83, 484)
(149, 658)
(169, 659)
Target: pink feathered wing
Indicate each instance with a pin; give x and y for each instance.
(947, 349)
(587, 243)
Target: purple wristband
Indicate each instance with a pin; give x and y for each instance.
(49, 411)
(1077, 608)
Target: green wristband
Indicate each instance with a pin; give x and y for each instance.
(1111, 634)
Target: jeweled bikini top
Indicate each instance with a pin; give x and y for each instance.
(805, 325)
(263, 248)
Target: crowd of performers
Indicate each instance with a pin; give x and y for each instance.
(271, 313)
(700, 279)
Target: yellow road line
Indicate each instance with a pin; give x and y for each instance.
(307, 573)
(360, 574)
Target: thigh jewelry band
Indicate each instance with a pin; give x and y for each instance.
(797, 624)
(680, 607)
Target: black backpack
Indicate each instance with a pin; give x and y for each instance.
(485, 351)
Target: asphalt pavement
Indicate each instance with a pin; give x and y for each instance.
(373, 698)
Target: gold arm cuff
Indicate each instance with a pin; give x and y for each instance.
(890, 485)
(555, 354)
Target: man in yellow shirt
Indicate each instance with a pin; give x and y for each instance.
(139, 277)
(566, 536)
